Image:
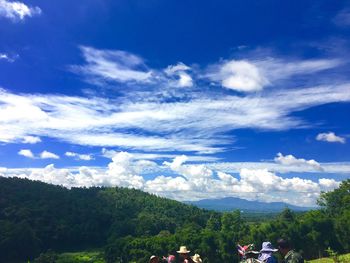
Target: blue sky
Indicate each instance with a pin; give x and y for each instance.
(184, 99)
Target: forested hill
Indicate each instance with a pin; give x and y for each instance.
(36, 216)
(129, 225)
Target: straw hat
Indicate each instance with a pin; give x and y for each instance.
(197, 258)
(183, 250)
(267, 247)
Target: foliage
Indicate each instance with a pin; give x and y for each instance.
(342, 259)
(130, 225)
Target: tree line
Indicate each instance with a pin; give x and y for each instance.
(131, 225)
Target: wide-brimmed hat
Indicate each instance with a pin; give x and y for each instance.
(183, 250)
(197, 258)
(267, 247)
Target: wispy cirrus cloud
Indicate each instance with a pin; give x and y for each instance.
(78, 156)
(112, 65)
(194, 125)
(17, 11)
(166, 110)
(342, 18)
(8, 57)
(116, 66)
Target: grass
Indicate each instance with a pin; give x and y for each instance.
(81, 257)
(343, 259)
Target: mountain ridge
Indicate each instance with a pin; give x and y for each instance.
(234, 203)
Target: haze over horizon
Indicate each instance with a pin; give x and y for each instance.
(184, 99)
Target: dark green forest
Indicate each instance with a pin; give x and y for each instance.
(130, 225)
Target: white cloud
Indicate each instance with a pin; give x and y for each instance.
(43, 155)
(240, 75)
(17, 11)
(113, 65)
(183, 79)
(26, 153)
(341, 168)
(31, 139)
(8, 58)
(290, 160)
(48, 155)
(160, 156)
(342, 19)
(84, 157)
(330, 137)
(328, 184)
(254, 75)
(190, 182)
(194, 125)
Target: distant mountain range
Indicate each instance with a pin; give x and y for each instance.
(232, 203)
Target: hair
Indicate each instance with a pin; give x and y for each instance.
(283, 243)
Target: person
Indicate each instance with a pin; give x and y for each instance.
(266, 253)
(289, 255)
(196, 258)
(184, 255)
(171, 259)
(153, 259)
(248, 254)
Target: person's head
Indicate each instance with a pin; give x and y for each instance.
(196, 258)
(171, 259)
(268, 248)
(154, 259)
(283, 246)
(183, 252)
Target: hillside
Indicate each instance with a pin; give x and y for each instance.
(39, 220)
(52, 217)
(232, 203)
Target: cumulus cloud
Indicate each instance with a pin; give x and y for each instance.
(26, 153)
(240, 75)
(43, 155)
(84, 157)
(328, 184)
(330, 137)
(31, 139)
(48, 155)
(182, 78)
(254, 75)
(291, 160)
(17, 10)
(189, 181)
